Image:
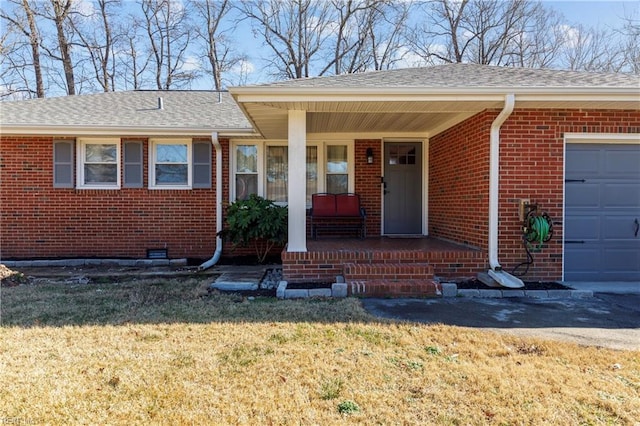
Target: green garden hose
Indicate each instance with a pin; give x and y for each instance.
(537, 229)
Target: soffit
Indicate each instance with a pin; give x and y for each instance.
(420, 117)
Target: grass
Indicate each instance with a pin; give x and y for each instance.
(167, 352)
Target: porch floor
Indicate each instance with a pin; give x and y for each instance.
(423, 244)
(326, 258)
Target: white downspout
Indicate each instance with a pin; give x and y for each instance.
(496, 272)
(216, 255)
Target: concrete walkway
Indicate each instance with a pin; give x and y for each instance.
(614, 287)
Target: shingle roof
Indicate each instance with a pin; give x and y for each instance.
(129, 109)
(466, 76)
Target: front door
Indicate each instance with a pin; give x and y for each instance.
(403, 188)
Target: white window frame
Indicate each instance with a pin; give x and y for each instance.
(80, 154)
(262, 163)
(152, 162)
(233, 164)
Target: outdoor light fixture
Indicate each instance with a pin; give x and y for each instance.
(370, 155)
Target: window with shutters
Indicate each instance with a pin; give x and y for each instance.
(179, 164)
(98, 164)
(109, 163)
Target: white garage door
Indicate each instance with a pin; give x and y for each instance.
(602, 212)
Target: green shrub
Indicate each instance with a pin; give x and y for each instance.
(258, 222)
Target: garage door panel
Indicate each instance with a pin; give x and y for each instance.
(584, 228)
(625, 194)
(581, 163)
(602, 200)
(583, 259)
(618, 228)
(623, 162)
(586, 195)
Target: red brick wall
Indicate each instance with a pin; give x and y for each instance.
(367, 183)
(531, 167)
(39, 221)
(459, 181)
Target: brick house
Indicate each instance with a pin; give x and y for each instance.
(447, 160)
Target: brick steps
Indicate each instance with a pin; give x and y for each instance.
(394, 288)
(391, 271)
(379, 279)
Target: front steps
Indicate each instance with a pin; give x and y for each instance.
(391, 280)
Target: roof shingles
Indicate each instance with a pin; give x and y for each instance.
(130, 109)
(466, 76)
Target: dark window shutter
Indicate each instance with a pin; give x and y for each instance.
(63, 164)
(133, 164)
(201, 165)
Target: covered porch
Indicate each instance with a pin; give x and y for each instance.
(384, 260)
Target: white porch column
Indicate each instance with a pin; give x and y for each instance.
(297, 181)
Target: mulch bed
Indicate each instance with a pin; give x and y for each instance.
(528, 285)
(305, 286)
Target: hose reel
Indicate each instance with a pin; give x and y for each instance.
(537, 229)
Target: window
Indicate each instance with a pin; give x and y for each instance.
(99, 163)
(312, 172)
(336, 169)
(169, 164)
(246, 171)
(277, 171)
(262, 169)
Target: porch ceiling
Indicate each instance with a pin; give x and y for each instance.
(420, 118)
(402, 114)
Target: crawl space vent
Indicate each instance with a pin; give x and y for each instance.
(157, 254)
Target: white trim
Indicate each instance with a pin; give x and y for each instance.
(587, 138)
(152, 162)
(608, 138)
(80, 154)
(350, 163)
(394, 93)
(120, 131)
(233, 163)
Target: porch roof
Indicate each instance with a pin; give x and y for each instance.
(425, 101)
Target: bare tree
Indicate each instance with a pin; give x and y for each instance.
(60, 16)
(169, 34)
(97, 40)
(23, 20)
(539, 44)
(294, 30)
(630, 44)
(590, 49)
(387, 32)
(214, 37)
(484, 31)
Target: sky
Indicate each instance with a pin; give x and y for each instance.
(592, 12)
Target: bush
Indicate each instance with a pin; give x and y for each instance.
(258, 222)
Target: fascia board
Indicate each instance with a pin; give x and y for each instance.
(288, 94)
(118, 131)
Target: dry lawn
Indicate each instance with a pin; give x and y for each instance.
(166, 352)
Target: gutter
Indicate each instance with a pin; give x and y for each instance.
(503, 278)
(216, 255)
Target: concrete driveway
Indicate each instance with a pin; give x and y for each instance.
(607, 320)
